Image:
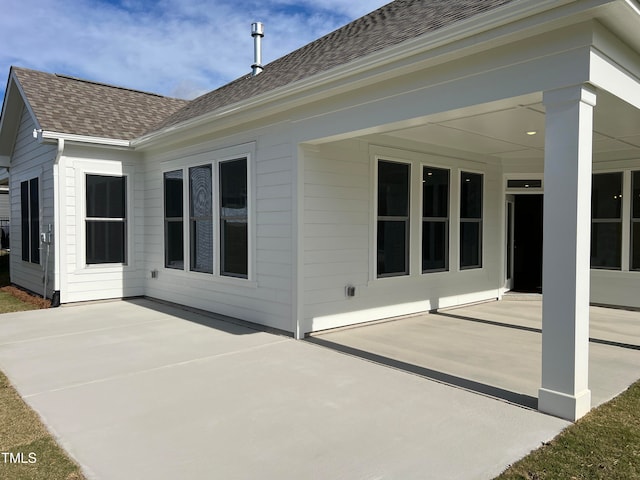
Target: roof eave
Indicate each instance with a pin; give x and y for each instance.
(11, 111)
(441, 37)
(44, 135)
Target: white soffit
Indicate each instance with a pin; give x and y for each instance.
(436, 134)
(615, 118)
(529, 154)
(507, 125)
(609, 145)
(502, 132)
(633, 140)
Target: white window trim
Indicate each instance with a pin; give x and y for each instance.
(374, 224)
(483, 220)
(19, 181)
(625, 258)
(164, 221)
(214, 158)
(219, 221)
(523, 176)
(104, 169)
(417, 161)
(187, 209)
(449, 217)
(627, 213)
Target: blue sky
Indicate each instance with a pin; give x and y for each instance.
(179, 48)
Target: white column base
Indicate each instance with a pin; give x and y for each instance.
(558, 404)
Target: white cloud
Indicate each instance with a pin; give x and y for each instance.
(172, 47)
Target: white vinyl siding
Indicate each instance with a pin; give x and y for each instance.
(30, 160)
(340, 191)
(265, 296)
(81, 281)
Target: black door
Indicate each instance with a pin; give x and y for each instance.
(527, 257)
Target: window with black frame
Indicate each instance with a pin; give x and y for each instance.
(393, 219)
(435, 219)
(606, 221)
(106, 219)
(471, 204)
(173, 220)
(234, 218)
(30, 220)
(201, 219)
(635, 221)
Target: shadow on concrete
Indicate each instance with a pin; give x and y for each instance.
(216, 321)
(522, 400)
(600, 341)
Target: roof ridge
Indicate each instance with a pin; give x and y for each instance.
(66, 104)
(118, 87)
(94, 82)
(389, 25)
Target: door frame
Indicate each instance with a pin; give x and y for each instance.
(509, 210)
(509, 197)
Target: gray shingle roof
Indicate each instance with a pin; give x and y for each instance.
(389, 25)
(69, 105)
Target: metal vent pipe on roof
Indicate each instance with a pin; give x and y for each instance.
(257, 32)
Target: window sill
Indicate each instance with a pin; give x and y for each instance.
(609, 272)
(465, 269)
(432, 272)
(107, 267)
(209, 277)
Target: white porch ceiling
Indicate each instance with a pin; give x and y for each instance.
(502, 132)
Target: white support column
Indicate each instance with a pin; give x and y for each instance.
(566, 252)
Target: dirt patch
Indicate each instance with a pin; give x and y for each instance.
(27, 297)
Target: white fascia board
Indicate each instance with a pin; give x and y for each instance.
(511, 13)
(44, 135)
(634, 4)
(5, 161)
(614, 78)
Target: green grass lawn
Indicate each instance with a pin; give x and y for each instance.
(604, 444)
(9, 303)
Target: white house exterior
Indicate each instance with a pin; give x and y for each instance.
(362, 177)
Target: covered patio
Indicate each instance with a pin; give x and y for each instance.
(493, 348)
(556, 107)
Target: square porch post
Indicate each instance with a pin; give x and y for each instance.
(566, 252)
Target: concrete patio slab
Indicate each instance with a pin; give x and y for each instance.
(147, 391)
(495, 348)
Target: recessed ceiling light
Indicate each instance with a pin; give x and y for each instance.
(532, 132)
